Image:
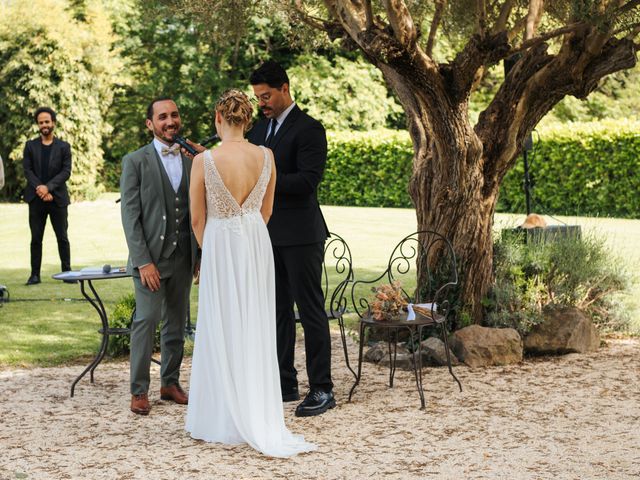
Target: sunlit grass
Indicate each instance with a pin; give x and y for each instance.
(51, 324)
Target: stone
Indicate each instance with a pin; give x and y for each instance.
(376, 352)
(478, 346)
(404, 359)
(379, 353)
(434, 353)
(563, 330)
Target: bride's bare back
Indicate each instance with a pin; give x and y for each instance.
(239, 165)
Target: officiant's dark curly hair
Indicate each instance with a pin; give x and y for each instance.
(271, 73)
(235, 107)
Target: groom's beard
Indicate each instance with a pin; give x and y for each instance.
(166, 133)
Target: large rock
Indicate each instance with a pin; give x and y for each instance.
(434, 353)
(563, 330)
(481, 346)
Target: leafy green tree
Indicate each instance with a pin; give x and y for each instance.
(58, 60)
(345, 94)
(167, 54)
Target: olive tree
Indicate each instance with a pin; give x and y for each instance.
(558, 48)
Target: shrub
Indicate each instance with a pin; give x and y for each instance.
(580, 272)
(119, 345)
(121, 318)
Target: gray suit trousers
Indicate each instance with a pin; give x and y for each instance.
(169, 305)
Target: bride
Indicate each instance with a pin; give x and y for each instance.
(235, 392)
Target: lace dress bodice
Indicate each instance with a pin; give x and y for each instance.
(220, 202)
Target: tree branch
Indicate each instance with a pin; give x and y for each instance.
(481, 15)
(351, 16)
(402, 23)
(476, 53)
(536, 8)
(517, 28)
(368, 10)
(628, 7)
(635, 30)
(527, 44)
(435, 23)
(503, 17)
(313, 22)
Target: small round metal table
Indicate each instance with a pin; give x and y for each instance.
(415, 328)
(89, 277)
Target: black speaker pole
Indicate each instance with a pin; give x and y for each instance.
(527, 182)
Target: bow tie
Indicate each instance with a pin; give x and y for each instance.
(172, 150)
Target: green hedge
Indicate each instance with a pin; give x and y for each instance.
(590, 169)
(367, 169)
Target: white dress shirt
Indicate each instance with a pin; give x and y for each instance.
(172, 164)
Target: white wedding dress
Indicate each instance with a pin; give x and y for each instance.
(234, 394)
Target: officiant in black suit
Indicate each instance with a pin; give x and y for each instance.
(298, 232)
(47, 167)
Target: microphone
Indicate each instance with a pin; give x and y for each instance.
(106, 268)
(212, 139)
(183, 143)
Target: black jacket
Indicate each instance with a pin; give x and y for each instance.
(59, 170)
(300, 152)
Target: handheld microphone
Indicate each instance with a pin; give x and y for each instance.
(183, 143)
(106, 268)
(212, 139)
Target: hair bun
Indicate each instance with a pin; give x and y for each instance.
(235, 107)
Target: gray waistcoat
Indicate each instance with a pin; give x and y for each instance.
(178, 233)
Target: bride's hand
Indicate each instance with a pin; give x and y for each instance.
(197, 147)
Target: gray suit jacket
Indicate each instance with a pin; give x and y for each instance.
(143, 210)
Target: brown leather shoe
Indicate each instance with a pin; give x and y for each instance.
(175, 393)
(140, 404)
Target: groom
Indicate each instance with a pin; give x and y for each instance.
(298, 232)
(154, 188)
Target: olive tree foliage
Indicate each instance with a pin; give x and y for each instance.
(60, 55)
(563, 47)
(345, 94)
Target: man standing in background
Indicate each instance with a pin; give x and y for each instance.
(47, 167)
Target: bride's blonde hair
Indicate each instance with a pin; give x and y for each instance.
(235, 107)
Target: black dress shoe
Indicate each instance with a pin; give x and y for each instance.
(33, 280)
(315, 403)
(290, 395)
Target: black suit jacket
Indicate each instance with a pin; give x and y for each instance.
(300, 152)
(59, 170)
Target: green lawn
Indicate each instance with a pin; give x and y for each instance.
(49, 324)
